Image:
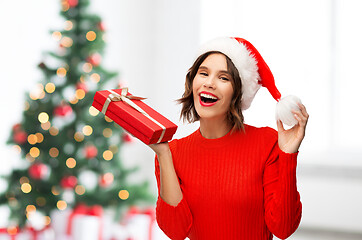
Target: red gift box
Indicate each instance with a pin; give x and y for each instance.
(134, 116)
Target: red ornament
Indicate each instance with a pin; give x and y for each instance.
(73, 3)
(90, 151)
(63, 110)
(82, 86)
(68, 182)
(38, 171)
(101, 26)
(94, 59)
(106, 180)
(20, 137)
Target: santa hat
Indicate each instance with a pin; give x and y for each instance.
(254, 73)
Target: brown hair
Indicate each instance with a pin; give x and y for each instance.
(188, 111)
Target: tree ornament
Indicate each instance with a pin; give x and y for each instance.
(20, 137)
(82, 86)
(17, 127)
(106, 180)
(94, 59)
(38, 171)
(73, 3)
(68, 182)
(127, 138)
(90, 151)
(63, 110)
(101, 26)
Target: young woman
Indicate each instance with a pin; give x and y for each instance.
(229, 180)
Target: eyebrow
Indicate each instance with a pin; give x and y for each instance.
(221, 71)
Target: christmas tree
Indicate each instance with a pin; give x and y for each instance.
(71, 153)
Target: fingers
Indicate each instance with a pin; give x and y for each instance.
(303, 110)
(301, 115)
(280, 126)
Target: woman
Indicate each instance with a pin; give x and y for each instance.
(229, 180)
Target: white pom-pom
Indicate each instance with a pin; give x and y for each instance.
(284, 110)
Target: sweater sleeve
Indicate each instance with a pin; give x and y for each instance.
(175, 221)
(283, 209)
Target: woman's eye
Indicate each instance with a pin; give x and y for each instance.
(225, 78)
(203, 73)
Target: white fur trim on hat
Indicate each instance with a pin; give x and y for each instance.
(243, 61)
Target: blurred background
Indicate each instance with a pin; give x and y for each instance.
(312, 47)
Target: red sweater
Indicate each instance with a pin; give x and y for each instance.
(240, 186)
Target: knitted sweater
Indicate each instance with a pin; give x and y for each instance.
(239, 186)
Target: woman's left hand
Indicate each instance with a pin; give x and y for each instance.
(290, 140)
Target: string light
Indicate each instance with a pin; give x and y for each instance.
(73, 101)
(57, 35)
(48, 220)
(123, 194)
(24, 180)
(108, 119)
(30, 208)
(39, 137)
(53, 131)
(79, 189)
(53, 152)
(93, 111)
(26, 188)
(45, 125)
(68, 25)
(41, 201)
(17, 148)
(61, 72)
(55, 191)
(43, 117)
(107, 155)
(26, 106)
(34, 152)
(71, 163)
(95, 77)
(29, 157)
(78, 136)
(79, 94)
(87, 67)
(61, 205)
(50, 87)
(87, 130)
(12, 230)
(32, 139)
(66, 42)
(107, 132)
(91, 36)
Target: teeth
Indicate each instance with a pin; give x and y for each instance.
(207, 96)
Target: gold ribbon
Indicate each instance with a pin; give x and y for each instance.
(115, 97)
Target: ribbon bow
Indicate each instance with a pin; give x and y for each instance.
(115, 97)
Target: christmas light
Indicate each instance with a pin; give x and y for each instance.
(39, 137)
(55, 191)
(26, 106)
(79, 94)
(29, 158)
(43, 117)
(53, 131)
(68, 25)
(45, 125)
(66, 42)
(32, 139)
(65, 6)
(12, 230)
(57, 35)
(87, 130)
(107, 155)
(50, 87)
(91, 36)
(26, 188)
(123, 194)
(17, 148)
(78, 136)
(95, 77)
(34, 152)
(107, 132)
(108, 119)
(61, 72)
(61, 205)
(24, 180)
(53, 152)
(73, 101)
(48, 220)
(113, 148)
(93, 111)
(79, 189)
(30, 208)
(87, 67)
(70, 162)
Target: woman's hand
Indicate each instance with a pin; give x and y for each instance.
(290, 140)
(160, 149)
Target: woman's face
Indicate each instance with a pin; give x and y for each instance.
(212, 88)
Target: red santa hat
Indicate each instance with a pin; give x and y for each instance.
(254, 73)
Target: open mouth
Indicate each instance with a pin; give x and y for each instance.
(208, 99)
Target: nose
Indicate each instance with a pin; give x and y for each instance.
(209, 82)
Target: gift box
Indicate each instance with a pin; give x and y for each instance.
(134, 116)
(13, 234)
